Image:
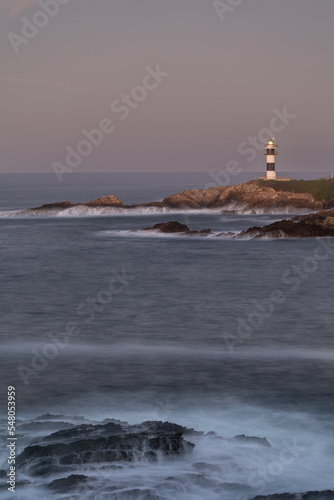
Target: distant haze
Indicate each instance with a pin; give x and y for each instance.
(227, 71)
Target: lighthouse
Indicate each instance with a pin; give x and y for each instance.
(270, 151)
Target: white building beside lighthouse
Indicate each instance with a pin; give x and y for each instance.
(271, 152)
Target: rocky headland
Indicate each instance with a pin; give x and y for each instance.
(250, 195)
(313, 195)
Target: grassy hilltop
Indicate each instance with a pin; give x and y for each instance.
(321, 189)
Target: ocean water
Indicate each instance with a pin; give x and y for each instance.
(226, 336)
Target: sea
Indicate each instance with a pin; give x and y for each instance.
(225, 336)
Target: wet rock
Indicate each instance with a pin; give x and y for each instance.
(320, 224)
(168, 227)
(67, 484)
(310, 495)
(176, 227)
(93, 444)
(84, 430)
(252, 440)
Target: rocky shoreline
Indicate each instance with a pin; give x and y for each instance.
(73, 456)
(320, 224)
(250, 195)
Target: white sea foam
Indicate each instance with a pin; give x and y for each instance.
(218, 468)
(84, 211)
(159, 234)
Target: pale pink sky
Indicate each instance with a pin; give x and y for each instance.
(225, 78)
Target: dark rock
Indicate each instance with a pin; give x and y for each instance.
(62, 205)
(252, 440)
(176, 227)
(310, 495)
(168, 227)
(65, 449)
(67, 484)
(320, 224)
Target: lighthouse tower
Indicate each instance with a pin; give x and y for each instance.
(270, 151)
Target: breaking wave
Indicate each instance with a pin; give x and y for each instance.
(84, 211)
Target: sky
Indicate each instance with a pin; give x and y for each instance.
(198, 82)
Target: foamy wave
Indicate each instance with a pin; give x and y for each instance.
(113, 460)
(158, 234)
(239, 209)
(85, 211)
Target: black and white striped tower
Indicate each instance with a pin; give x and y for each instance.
(271, 151)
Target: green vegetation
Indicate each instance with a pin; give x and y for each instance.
(321, 189)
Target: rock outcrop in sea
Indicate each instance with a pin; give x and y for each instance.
(176, 227)
(73, 457)
(112, 442)
(104, 201)
(320, 224)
